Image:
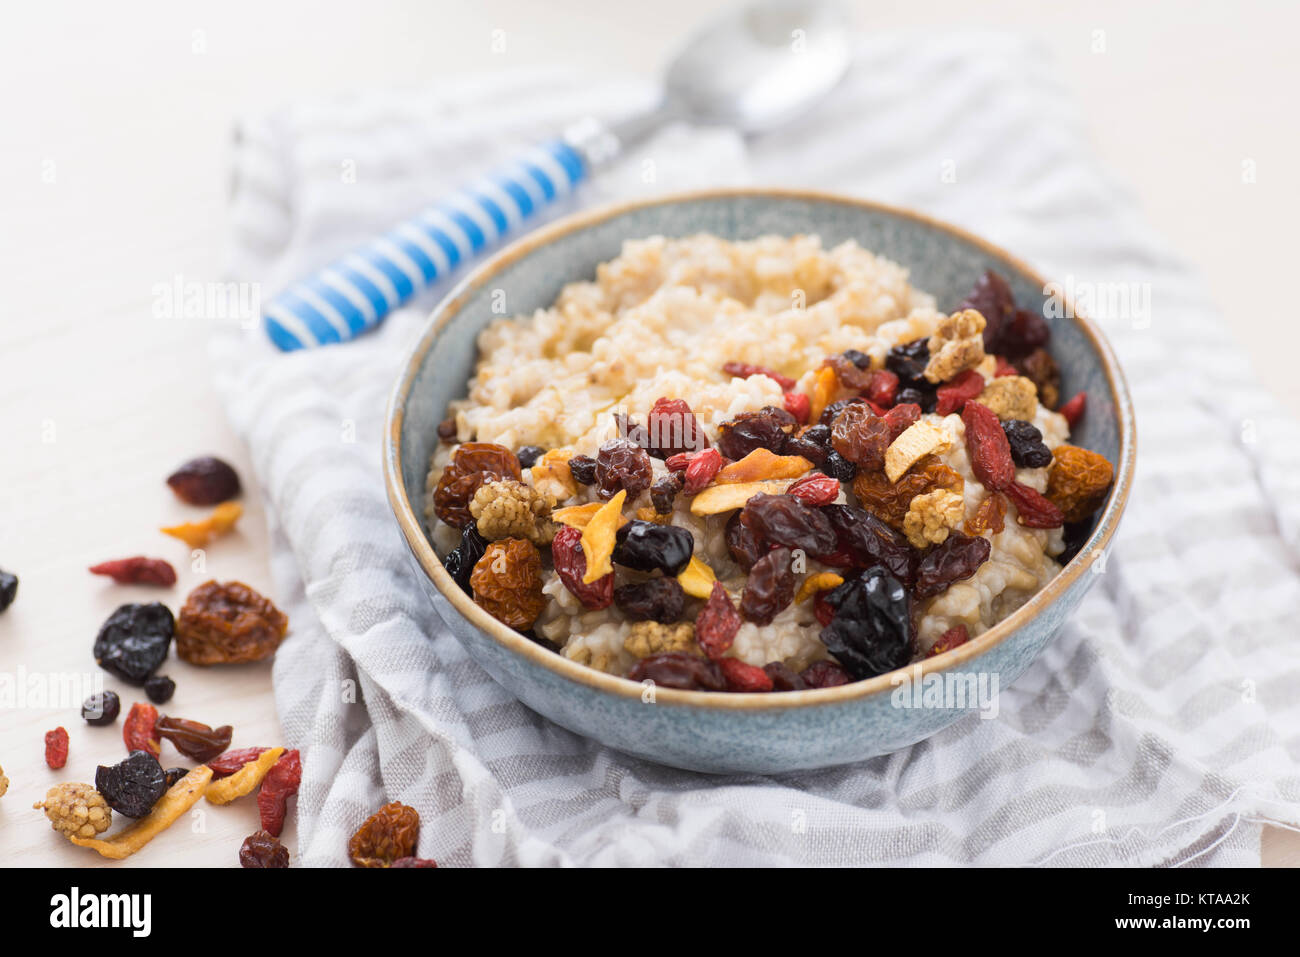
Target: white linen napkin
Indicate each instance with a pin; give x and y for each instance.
(1160, 727)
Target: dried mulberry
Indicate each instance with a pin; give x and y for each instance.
(509, 509)
(75, 810)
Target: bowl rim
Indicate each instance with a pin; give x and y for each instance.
(422, 548)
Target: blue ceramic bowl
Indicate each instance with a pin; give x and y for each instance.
(718, 732)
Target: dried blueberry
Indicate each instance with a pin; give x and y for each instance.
(101, 709)
(1027, 447)
(460, 561)
(838, 467)
(583, 469)
(859, 359)
(647, 546)
(528, 455)
(871, 632)
(172, 775)
(926, 398)
(133, 642)
(908, 360)
(658, 599)
(132, 786)
(159, 689)
(8, 589)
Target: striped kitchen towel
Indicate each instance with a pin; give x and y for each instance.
(1161, 727)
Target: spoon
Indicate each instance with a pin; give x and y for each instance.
(753, 69)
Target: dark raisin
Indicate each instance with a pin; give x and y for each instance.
(172, 775)
(1025, 332)
(818, 435)
(583, 469)
(204, 481)
(622, 464)
(991, 298)
(766, 429)
(769, 589)
(664, 491)
(133, 785)
(838, 467)
(8, 589)
(869, 541)
(825, 674)
(802, 445)
(528, 455)
(745, 545)
(101, 709)
(850, 375)
(1041, 369)
(677, 669)
(132, 643)
(159, 689)
(909, 359)
(1075, 535)
(786, 520)
(859, 359)
(832, 411)
(1027, 448)
(658, 599)
(673, 429)
(460, 561)
(648, 546)
(927, 399)
(871, 632)
(783, 679)
(447, 430)
(960, 556)
(263, 850)
(193, 738)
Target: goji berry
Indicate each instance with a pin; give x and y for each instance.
(717, 623)
(987, 445)
(137, 570)
(56, 748)
(1074, 409)
(1004, 368)
(571, 565)
(950, 639)
(703, 467)
(743, 370)
(280, 784)
(815, 489)
(678, 462)
(883, 388)
(797, 404)
(954, 394)
(224, 765)
(1035, 510)
(138, 729)
(744, 677)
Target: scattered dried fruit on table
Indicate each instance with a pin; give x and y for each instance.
(648, 547)
(956, 345)
(622, 465)
(960, 556)
(1028, 450)
(101, 709)
(675, 669)
(193, 738)
(175, 802)
(744, 678)
(1011, 397)
(244, 779)
(133, 785)
(645, 638)
(889, 501)
(717, 623)
(553, 474)
(388, 834)
(8, 589)
(230, 762)
(697, 579)
(75, 810)
(657, 599)
(759, 465)
(507, 582)
(262, 850)
(810, 586)
(931, 516)
(199, 534)
(508, 509)
(280, 784)
(950, 639)
(919, 440)
(206, 480)
(159, 689)
(725, 498)
(472, 464)
(133, 641)
(137, 570)
(225, 623)
(1078, 481)
(769, 588)
(1032, 509)
(871, 632)
(743, 370)
(56, 748)
(1073, 409)
(599, 536)
(987, 446)
(990, 516)
(138, 729)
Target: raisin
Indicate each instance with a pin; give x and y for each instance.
(1041, 369)
(1075, 537)
(743, 677)
(861, 436)
(783, 679)
(815, 489)
(809, 443)
(1073, 410)
(138, 729)
(56, 747)
(869, 541)
(133, 641)
(838, 467)
(193, 738)
(1026, 332)
(621, 464)
(224, 765)
(677, 669)
(769, 589)
(909, 359)
(889, 501)
(571, 565)
(987, 446)
(991, 298)
(137, 570)
(388, 834)
(262, 850)
(172, 775)
(797, 404)
(1027, 448)
(883, 389)
(159, 689)
(471, 465)
(871, 632)
(647, 546)
(785, 520)
(850, 375)
(8, 589)
(228, 623)
(583, 469)
(507, 582)
(960, 556)
(766, 429)
(101, 709)
(447, 430)
(664, 491)
(953, 395)
(743, 370)
(717, 623)
(673, 428)
(133, 785)
(403, 862)
(990, 516)
(832, 411)
(460, 561)
(280, 784)
(950, 639)
(701, 469)
(927, 399)
(824, 674)
(658, 599)
(204, 481)
(744, 544)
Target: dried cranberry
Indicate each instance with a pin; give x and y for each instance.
(785, 520)
(621, 464)
(744, 370)
(798, 404)
(870, 541)
(717, 623)
(871, 632)
(204, 481)
(883, 389)
(1074, 408)
(1027, 448)
(960, 556)
(953, 395)
(824, 674)
(901, 417)
(677, 669)
(658, 599)
(460, 561)
(673, 428)
(769, 589)
(583, 469)
(137, 570)
(56, 748)
(648, 546)
(528, 455)
(950, 639)
(783, 679)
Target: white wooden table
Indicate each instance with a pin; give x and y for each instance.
(113, 177)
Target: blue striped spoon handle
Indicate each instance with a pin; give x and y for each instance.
(354, 294)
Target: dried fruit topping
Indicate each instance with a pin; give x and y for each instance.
(199, 534)
(8, 589)
(744, 678)
(657, 599)
(783, 679)
(861, 436)
(917, 441)
(137, 570)
(987, 446)
(551, 475)
(599, 536)
(56, 748)
(507, 582)
(675, 669)
(509, 509)
(1073, 409)
(262, 850)
(1078, 481)
(1032, 509)
(1025, 332)
(824, 674)
(133, 785)
(460, 560)
(673, 428)
(890, 501)
(280, 784)
(1011, 397)
(173, 775)
(838, 467)
(883, 388)
(1028, 450)
(812, 442)
(646, 638)
(760, 465)
(820, 582)
(908, 360)
(931, 516)
(990, 516)
(871, 632)
(743, 543)
(991, 298)
(1003, 367)
(901, 418)
(797, 404)
(226, 764)
(224, 623)
(583, 469)
(717, 623)
(724, 498)
(528, 455)
(159, 689)
(815, 490)
(767, 428)
(701, 469)
(957, 345)
(825, 385)
(833, 410)
(622, 465)
(101, 709)
(743, 370)
(924, 397)
(175, 801)
(1041, 369)
(133, 641)
(697, 579)
(664, 491)
(193, 738)
(953, 396)
(204, 481)
(138, 730)
(404, 862)
(471, 465)
(849, 373)
(869, 541)
(571, 566)
(447, 430)
(769, 589)
(957, 558)
(76, 810)
(950, 639)
(787, 520)
(388, 834)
